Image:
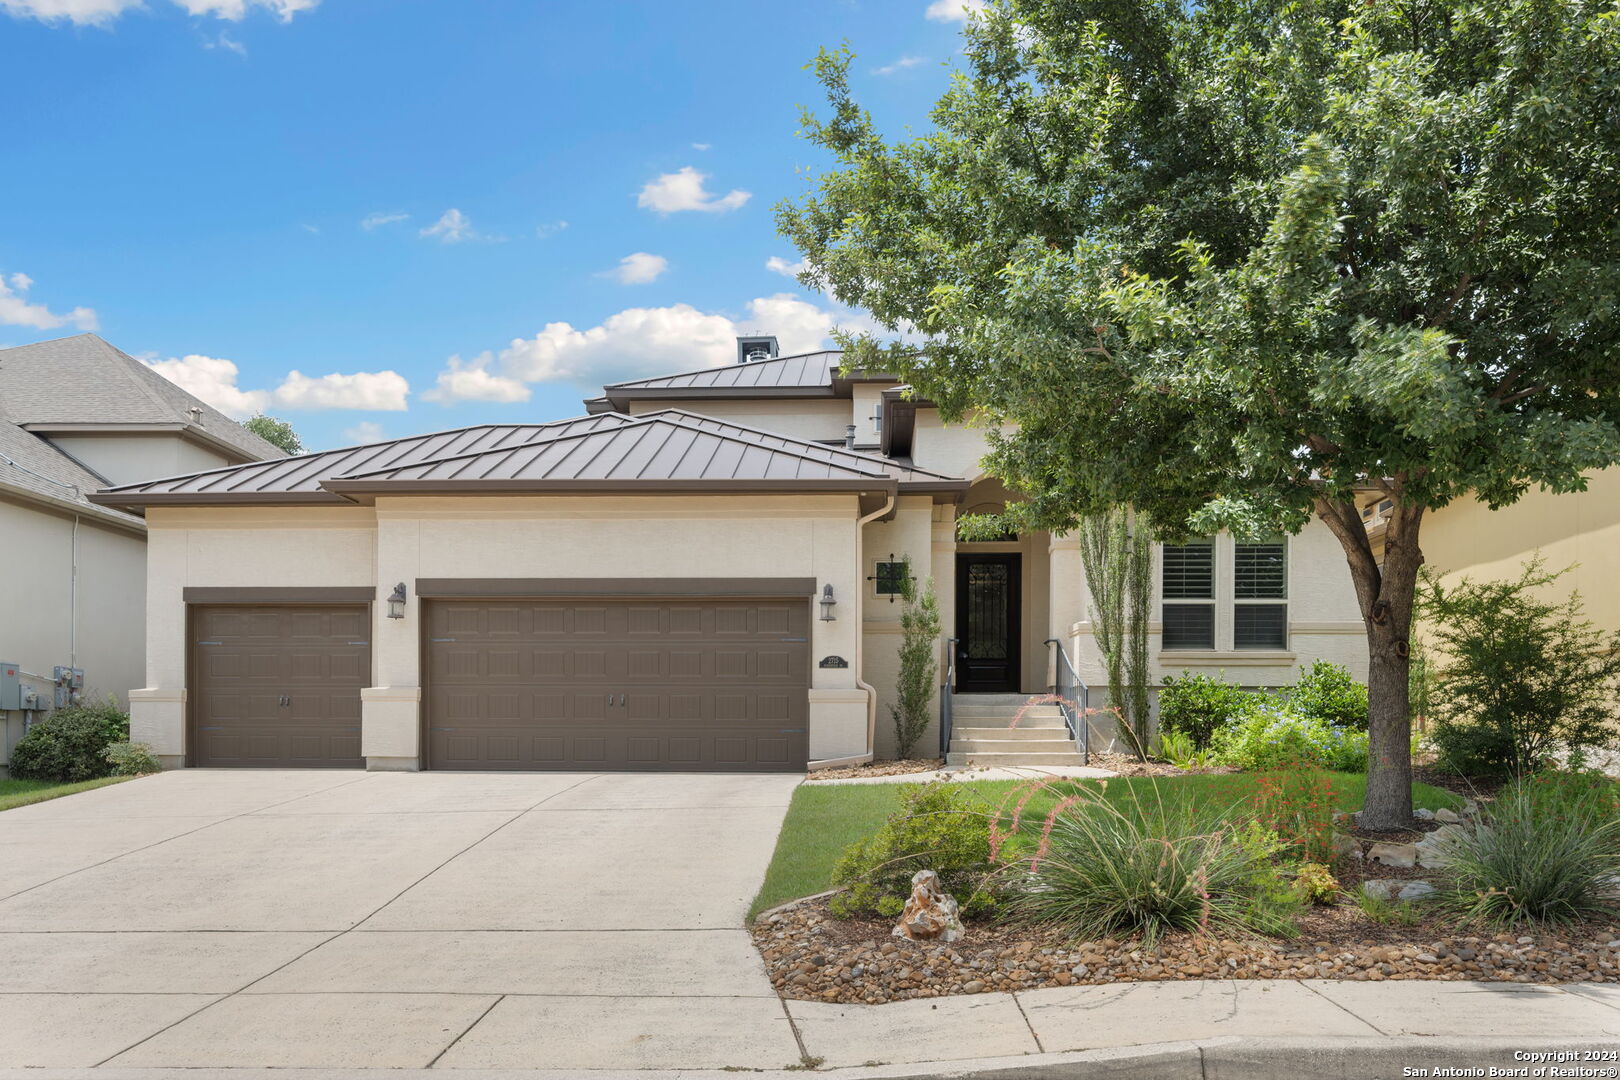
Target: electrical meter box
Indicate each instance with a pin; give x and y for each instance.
(10, 686)
(69, 682)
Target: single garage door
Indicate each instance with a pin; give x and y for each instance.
(278, 686)
(618, 684)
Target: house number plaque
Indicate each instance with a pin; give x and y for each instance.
(834, 661)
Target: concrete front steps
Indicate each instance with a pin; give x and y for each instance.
(982, 733)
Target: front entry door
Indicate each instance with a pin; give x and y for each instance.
(987, 592)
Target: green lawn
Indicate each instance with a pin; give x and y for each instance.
(15, 793)
(824, 819)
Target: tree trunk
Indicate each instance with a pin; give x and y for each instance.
(1385, 594)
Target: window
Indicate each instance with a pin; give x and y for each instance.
(1189, 595)
(1260, 595)
(890, 579)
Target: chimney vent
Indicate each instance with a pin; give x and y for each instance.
(753, 349)
(849, 437)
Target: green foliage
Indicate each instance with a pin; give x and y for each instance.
(1523, 678)
(1117, 554)
(919, 664)
(1221, 263)
(937, 827)
(1388, 912)
(68, 744)
(1547, 852)
(1316, 884)
(1270, 735)
(131, 759)
(1298, 803)
(1180, 751)
(278, 433)
(1149, 866)
(1326, 691)
(1198, 705)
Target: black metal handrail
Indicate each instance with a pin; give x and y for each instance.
(945, 697)
(1073, 697)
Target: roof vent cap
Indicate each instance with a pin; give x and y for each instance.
(754, 349)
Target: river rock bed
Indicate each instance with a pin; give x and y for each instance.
(812, 956)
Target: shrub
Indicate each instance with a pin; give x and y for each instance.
(1522, 679)
(936, 828)
(1388, 912)
(1198, 706)
(67, 745)
(131, 759)
(1180, 751)
(1316, 884)
(1270, 735)
(1327, 692)
(1154, 865)
(1298, 805)
(1546, 852)
(919, 664)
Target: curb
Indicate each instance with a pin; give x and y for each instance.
(1233, 1058)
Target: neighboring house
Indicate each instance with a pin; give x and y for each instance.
(75, 416)
(646, 586)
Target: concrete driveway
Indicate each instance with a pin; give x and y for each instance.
(350, 920)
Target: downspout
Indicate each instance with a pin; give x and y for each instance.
(73, 599)
(860, 624)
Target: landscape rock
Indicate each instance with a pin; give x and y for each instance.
(1398, 855)
(931, 913)
(1345, 846)
(1390, 889)
(1423, 815)
(1447, 817)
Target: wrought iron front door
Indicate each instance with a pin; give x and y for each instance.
(987, 623)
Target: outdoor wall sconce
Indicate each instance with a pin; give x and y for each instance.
(396, 602)
(827, 604)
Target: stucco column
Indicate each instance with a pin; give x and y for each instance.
(1066, 596)
(837, 705)
(391, 708)
(157, 711)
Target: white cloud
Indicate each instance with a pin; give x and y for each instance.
(225, 41)
(214, 380)
(379, 391)
(17, 310)
(778, 265)
(550, 229)
(899, 65)
(451, 228)
(954, 10)
(472, 381)
(366, 431)
(638, 268)
(635, 343)
(378, 219)
(236, 10)
(684, 190)
(102, 12)
(313, 230)
(701, 146)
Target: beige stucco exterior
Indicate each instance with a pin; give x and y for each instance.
(131, 458)
(404, 539)
(1580, 530)
(74, 597)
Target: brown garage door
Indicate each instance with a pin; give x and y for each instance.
(278, 686)
(618, 684)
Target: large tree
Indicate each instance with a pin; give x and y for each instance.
(1233, 263)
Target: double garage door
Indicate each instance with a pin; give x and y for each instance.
(516, 684)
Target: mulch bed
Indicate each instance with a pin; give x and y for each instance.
(879, 768)
(1131, 765)
(813, 956)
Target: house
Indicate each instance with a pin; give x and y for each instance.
(76, 415)
(699, 573)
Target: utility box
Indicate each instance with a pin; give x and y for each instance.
(10, 686)
(69, 684)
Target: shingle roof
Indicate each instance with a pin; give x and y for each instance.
(82, 380)
(664, 451)
(300, 479)
(36, 470)
(814, 374)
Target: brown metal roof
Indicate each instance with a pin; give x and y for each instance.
(300, 479)
(815, 374)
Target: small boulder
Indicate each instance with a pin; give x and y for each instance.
(931, 913)
(1423, 815)
(1447, 816)
(1345, 846)
(1401, 855)
(1386, 889)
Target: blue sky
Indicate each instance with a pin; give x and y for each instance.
(435, 212)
